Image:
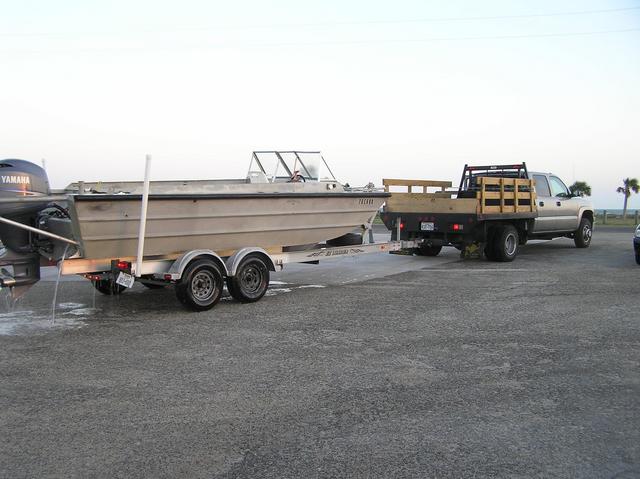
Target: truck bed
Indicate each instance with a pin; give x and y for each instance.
(503, 197)
(431, 210)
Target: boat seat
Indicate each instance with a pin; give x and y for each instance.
(257, 177)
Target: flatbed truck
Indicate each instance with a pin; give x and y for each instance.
(494, 210)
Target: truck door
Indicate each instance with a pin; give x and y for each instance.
(546, 206)
(566, 208)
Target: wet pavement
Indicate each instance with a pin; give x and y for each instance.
(376, 366)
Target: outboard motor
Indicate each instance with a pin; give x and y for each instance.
(24, 192)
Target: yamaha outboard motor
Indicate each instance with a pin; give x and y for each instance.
(24, 192)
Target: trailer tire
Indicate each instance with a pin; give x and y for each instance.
(201, 285)
(582, 236)
(430, 250)
(505, 243)
(108, 287)
(251, 281)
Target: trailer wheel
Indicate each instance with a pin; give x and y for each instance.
(201, 285)
(505, 244)
(428, 250)
(251, 280)
(108, 287)
(582, 236)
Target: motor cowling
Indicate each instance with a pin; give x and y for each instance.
(21, 179)
(22, 183)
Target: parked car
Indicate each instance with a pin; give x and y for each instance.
(636, 244)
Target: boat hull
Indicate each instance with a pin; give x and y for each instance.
(108, 225)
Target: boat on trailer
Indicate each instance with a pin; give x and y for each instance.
(234, 229)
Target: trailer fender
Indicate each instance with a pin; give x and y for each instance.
(234, 261)
(179, 265)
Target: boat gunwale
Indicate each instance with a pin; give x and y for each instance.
(207, 196)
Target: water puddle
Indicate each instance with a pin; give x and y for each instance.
(25, 322)
(276, 291)
(17, 320)
(280, 290)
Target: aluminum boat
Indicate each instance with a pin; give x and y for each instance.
(287, 199)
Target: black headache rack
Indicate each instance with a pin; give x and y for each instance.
(470, 174)
(470, 183)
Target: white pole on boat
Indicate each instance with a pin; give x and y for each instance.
(143, 216)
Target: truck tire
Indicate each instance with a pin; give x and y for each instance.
(201, 285)
(428, 250)
(505, 244)
(582, 236)
(489, 246)
(251, 280)
(110, 288)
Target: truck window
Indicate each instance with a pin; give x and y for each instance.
(542, 185)
(557, 187)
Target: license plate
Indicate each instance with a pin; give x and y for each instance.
(427, 226)
(125, 279)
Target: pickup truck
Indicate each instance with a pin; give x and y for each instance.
(494, 210)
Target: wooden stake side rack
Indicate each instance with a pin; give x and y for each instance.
(494, 195)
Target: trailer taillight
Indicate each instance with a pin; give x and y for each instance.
(458, 227)
(401, 225)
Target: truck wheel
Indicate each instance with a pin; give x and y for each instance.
(428, 250)
(251, 280)
(505, 244)
(108, 287)
(490, 245)
(489, 252)
(582, 236)
(201, 285)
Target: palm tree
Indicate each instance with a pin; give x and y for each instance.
(580, 188)
(628, 185)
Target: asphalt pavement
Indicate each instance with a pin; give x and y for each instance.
(376, 366)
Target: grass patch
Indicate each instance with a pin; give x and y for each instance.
(615, 220)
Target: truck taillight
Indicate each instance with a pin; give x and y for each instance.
(458, 227)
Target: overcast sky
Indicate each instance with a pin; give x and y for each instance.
(403, 89)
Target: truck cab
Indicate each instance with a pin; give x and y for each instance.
(558, 210)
